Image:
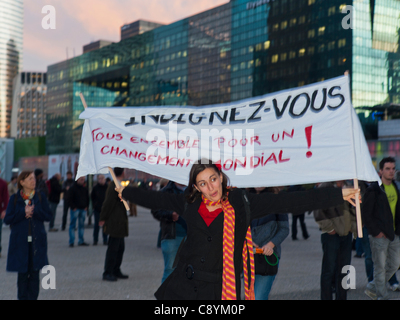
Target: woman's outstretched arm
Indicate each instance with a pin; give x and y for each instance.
(154, 200)
(320, 198)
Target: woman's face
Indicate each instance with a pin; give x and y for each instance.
(29, 183)
(209, 183)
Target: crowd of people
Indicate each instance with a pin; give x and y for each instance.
(194, 267)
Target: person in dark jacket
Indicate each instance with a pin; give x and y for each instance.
(114, 219)
(54, 198)
(40, 182)
(4, 196)
(381, 216)
(300, 216)
(337, 224)
(65, 187)
(173, 230)
(268, 233)
(27, 253)
(211, 260)
(78, 196)
(98, 195)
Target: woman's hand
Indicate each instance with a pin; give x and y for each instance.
(268, 249)
(119, 189)
(350, 195)
(29, 211)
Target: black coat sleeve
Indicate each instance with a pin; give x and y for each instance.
(110, 201)
(367, 210)
(155, 200)
(286, 202)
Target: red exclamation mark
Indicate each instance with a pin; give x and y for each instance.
(308, 131)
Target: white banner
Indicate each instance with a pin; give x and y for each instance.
(304, 135)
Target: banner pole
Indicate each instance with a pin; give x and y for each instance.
(109, 168)
(355, 184)
(117, 184)
(358, 211)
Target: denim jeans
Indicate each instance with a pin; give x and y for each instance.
(336, 254)
(369, 265)
(53, 209)
(80, 215)
(169, 248)
(263, 286)
(386, 258)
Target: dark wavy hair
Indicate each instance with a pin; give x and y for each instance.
(202, 165)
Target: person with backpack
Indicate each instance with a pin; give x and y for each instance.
(27, 252)
(55, 190)
(219, 244)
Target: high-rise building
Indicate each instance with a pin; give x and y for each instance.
(11, 46)
(29, 113)
(241, 49)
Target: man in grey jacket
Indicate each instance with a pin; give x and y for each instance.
(337, 239)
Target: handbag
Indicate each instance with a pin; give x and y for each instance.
(266, 265)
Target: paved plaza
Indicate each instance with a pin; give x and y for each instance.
(79, 269)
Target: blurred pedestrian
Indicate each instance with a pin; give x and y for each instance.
(40, 182)
(98, 195)
(78, 196)
(4, 197)
(298, 216)
(381, 216)
(173, 229)
(27, 252)
(65, 187)
(268, 233)
(337, 224)
(13, 186)
(114, 219)
(54, 199)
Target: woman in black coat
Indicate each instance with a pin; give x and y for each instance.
(27, 253)
(199, 271)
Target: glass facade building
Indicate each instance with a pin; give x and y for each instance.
(28, 117)
(235, 51)
(11, 45)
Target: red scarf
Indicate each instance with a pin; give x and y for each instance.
(228, 272)
(208, 216)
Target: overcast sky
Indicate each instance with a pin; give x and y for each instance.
(79, 22)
